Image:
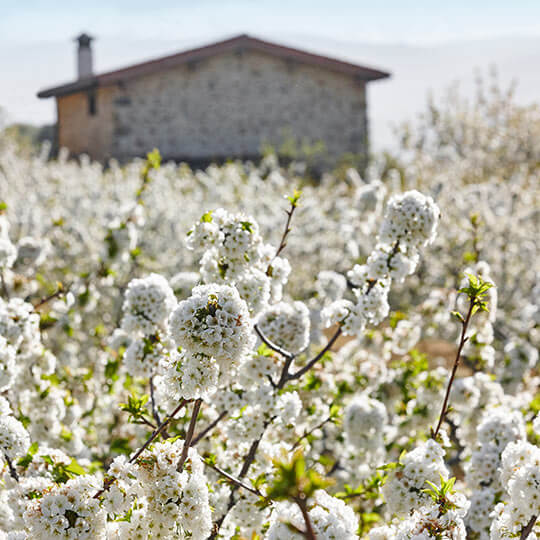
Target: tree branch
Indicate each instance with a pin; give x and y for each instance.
(189, 436)
(148, 442)
(463, 339)
(11, 467)
(237, 482)
(528, 528)
(309, 533)
(209, 428)
(61, 290)
(311, 363)
(272, 345)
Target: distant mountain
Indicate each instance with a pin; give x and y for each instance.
(416, 70)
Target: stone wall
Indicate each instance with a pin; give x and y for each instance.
(223, 107)
(229, 105)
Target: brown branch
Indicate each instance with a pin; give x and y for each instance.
(311, 363)
(528, 528)
(237, 482)
(283, 241)
(61, 290)
(11, 467)
(309, 533)
(272, 345)
(155, 412)
(148, 442)
(209, 428)
(189, 435)
(308, 433)
(5, 291)
(463, 339)
(143, 421)
(160, 428)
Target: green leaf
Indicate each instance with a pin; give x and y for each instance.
(153, 159)
(264, 350)
(294, 198)
(75, 468)
(28, 458)
(207, 217)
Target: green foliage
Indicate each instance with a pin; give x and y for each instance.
(439, 494)
(120, 445)
(476, 291)
(207, 217)
(61, 472)
(25, 461)
(368, 489)
(294, 198)
(395, 317)
(136, 408)
(294, 480)
(534, 405)
(264, 350)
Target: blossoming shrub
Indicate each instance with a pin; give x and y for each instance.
(191, 355)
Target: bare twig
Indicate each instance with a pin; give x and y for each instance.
(235, 481)
(528, 528)
(160, 428)
(11, 467)
(462, 341)
(148, 442)
(311, 363)
(189, 435)
(272, 345)
(61, 290)
(155, 412)
(283, 241)
(308, 433)
(5, 291)
(146, 422)
(209, 428)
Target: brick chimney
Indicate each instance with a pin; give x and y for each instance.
(84, 56)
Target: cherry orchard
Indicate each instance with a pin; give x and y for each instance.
(255, 389)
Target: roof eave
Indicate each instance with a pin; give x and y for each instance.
(69, 88)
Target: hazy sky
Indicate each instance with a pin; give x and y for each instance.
(426, 44)
(383, 21)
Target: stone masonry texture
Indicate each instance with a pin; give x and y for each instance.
(226, 106)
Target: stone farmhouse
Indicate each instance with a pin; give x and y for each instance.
(223, 100)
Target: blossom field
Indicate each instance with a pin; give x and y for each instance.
(245, 353)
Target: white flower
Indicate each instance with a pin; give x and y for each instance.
(287, 325)
(147, 305)
(365, 419)
(67, 511)
(330, 518)
(192, 376)
(8, 367)
(14, 439)
(8, 253)
(411, 219)
(213, 321)
(403, 490)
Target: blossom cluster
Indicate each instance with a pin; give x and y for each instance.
(158, 390)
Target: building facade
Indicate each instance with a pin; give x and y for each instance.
(225, 100)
